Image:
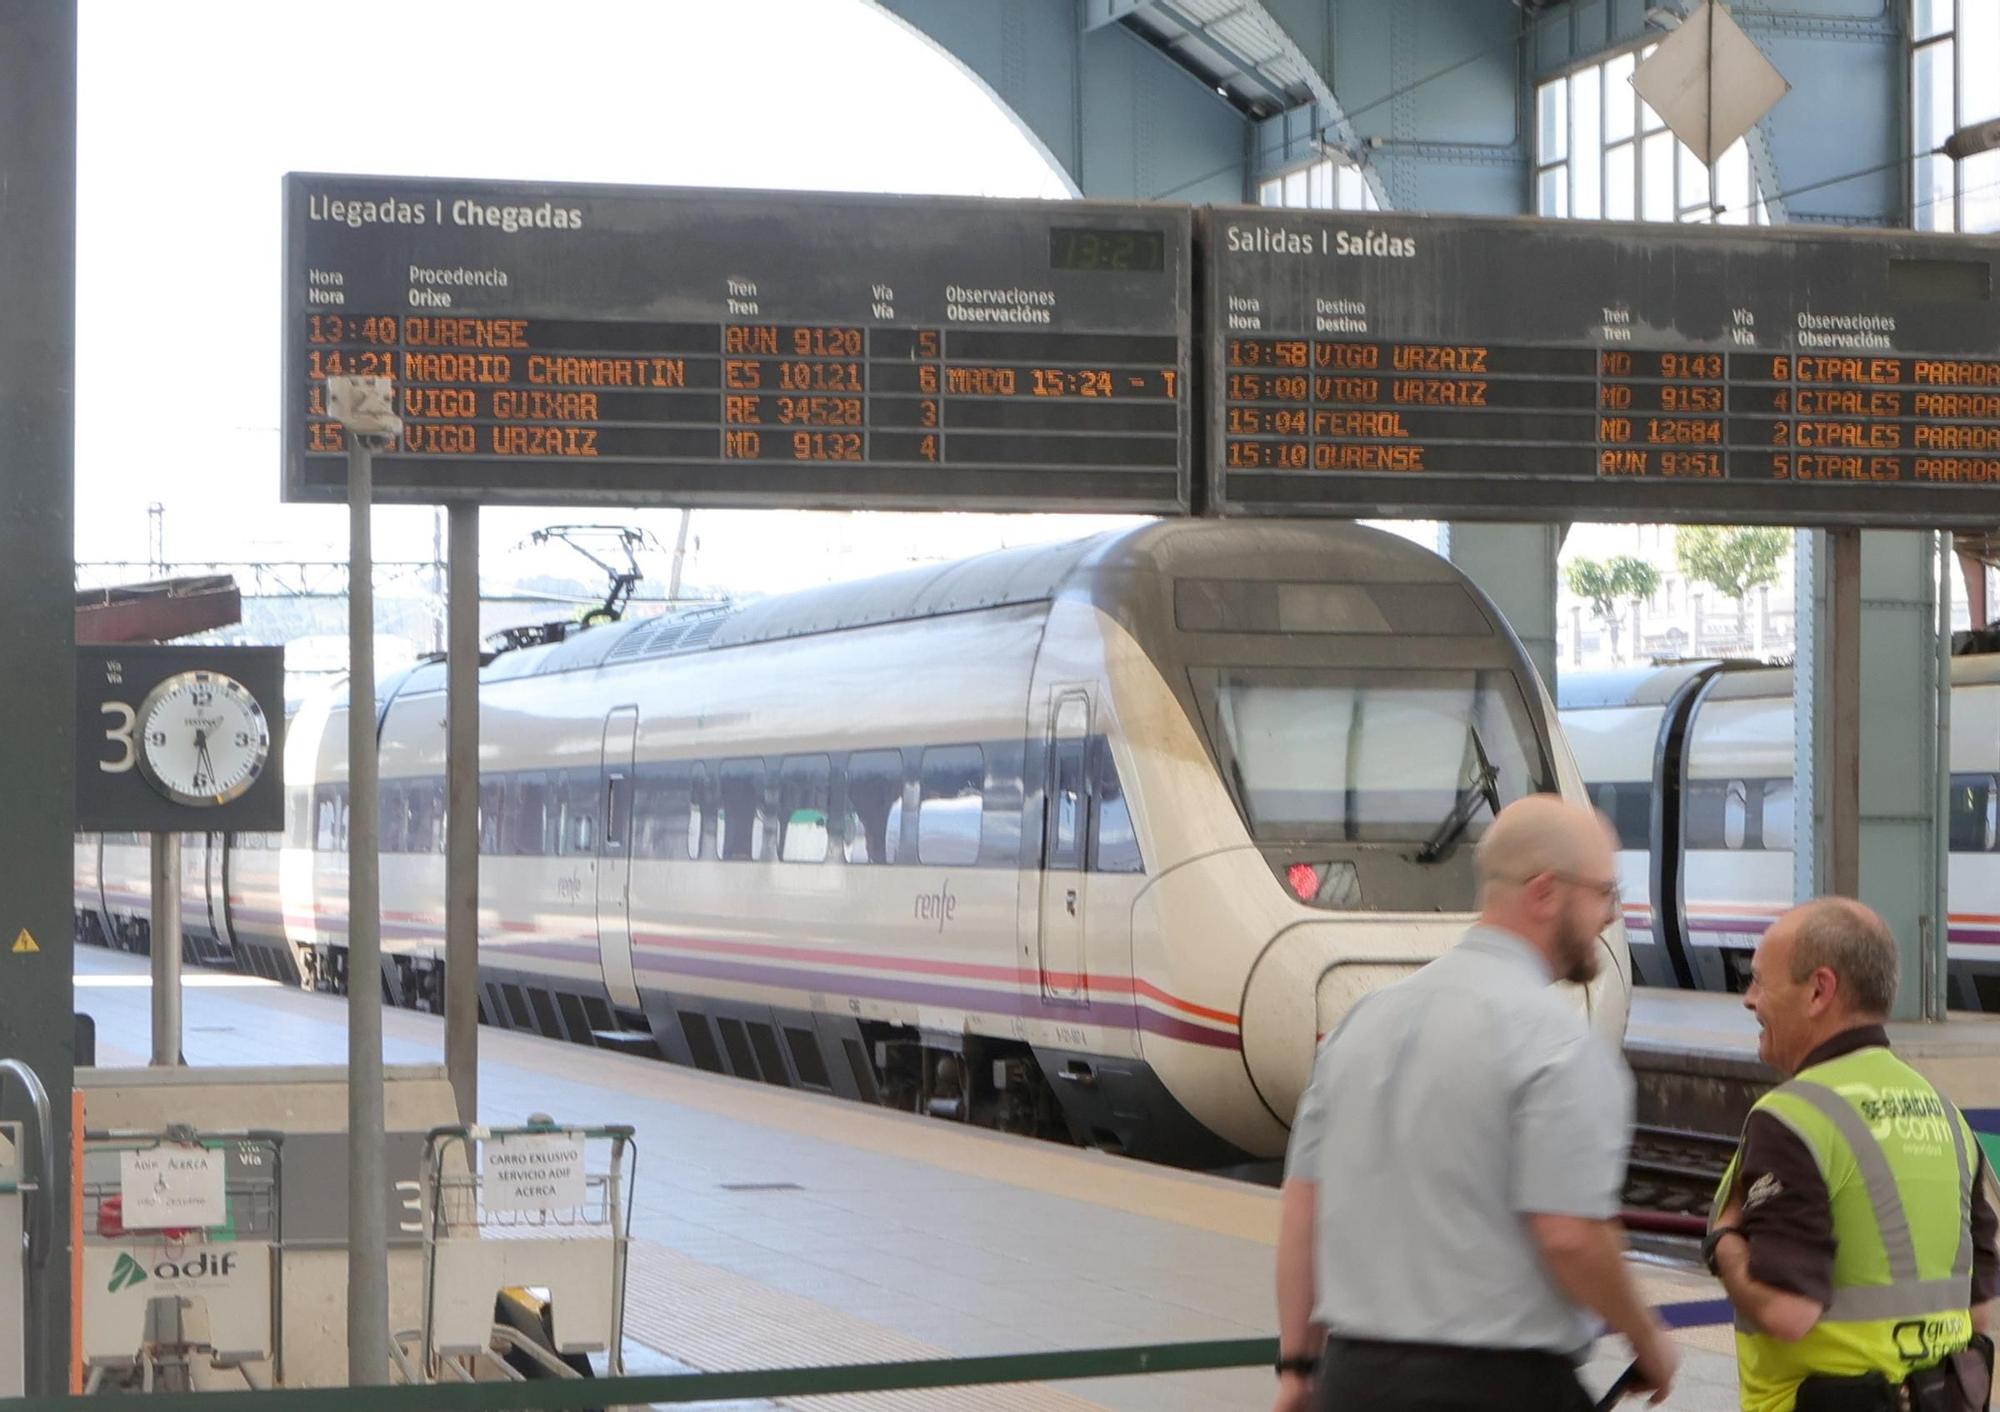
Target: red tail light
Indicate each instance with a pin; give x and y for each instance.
(1304, 878)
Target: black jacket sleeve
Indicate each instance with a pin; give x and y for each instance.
(1787, 1213)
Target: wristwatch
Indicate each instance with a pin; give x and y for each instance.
(1304, 1367)
(1714, 1239)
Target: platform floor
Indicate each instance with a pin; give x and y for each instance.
(1703, 1022)
(775, 1227)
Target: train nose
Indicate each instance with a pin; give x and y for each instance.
(1307, 980)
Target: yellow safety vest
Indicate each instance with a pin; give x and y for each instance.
(1898, 1165)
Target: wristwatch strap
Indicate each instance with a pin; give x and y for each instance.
(1304, 1367)
(1713, 1240)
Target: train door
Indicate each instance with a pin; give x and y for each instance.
(1063, 819)
(614, 863)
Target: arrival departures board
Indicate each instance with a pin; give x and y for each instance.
(1360, 363)
(566, 344)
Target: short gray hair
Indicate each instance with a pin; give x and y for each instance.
(1856, 945)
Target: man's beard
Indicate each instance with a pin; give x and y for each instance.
(1579, 955)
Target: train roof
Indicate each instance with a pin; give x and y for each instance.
(1630, 686)
(1096, 567)
(1652, 686)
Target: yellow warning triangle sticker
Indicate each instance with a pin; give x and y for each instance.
(24, 944)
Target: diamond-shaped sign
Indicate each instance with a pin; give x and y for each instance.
(1709, 81)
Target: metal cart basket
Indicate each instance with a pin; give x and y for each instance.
(161, 1300)
(541, 1207)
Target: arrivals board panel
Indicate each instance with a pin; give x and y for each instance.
(568, 344)
(1370, 364)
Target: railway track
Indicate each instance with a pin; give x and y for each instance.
(1670, 1178)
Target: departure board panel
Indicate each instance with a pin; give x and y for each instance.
(1363, 364)
(555, 344)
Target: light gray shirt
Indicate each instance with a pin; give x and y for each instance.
(1443, 1111)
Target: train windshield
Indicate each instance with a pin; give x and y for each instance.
(1377, 755)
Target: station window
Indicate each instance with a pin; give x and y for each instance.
(950, 805)
(1324, 185)
(1602, 153)
(802, 802)
(874, 823)
(1954, 52)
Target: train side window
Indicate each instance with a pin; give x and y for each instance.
(527, 814)
(491, 790)
(1735, 814)
(1778, 817)
(659, 806)
(697, 798)
(1973, 805)
(949, 805)
(739, 816)
(874, 823)
(1705, 822)
(617, 812)
(1632, 815)
(326, 809)
(1114, 846)
(802, 800)
(422, 807)
(1064, 848)
(1000, 830)
(391, 816)
(585, 803)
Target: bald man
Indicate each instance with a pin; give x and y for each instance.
(1447, 1239)
(1852, 1231)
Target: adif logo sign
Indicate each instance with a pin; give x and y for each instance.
(206, 1266)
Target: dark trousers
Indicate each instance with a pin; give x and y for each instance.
(1425, 1377)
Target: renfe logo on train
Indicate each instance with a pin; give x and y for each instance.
(940, 906)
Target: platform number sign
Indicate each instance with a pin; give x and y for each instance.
(179, 739)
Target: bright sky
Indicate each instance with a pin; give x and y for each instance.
(190, 113)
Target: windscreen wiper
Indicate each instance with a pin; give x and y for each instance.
(1483, 789)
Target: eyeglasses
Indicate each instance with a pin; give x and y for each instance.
(1609, 891)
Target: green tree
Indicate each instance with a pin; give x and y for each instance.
(1731, 561)
(1608, 582)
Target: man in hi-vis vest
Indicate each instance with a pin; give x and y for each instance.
(1852, 1232)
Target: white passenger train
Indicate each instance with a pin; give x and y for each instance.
(1093, 838)
(1694, 764)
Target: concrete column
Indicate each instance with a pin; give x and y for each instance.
(1904, 700)
(1515, 566)
(38, 689)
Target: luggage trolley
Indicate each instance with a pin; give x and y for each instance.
(182, 1269)
(541, 1207)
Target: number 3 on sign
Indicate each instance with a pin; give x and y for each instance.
(120, 735)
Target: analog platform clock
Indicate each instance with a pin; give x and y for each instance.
(203, 738)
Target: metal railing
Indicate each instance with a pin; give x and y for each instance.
(572, 1395)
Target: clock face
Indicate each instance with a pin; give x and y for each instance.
(203, 739)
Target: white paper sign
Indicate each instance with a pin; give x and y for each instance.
(535, 1172)
(171, 1186)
